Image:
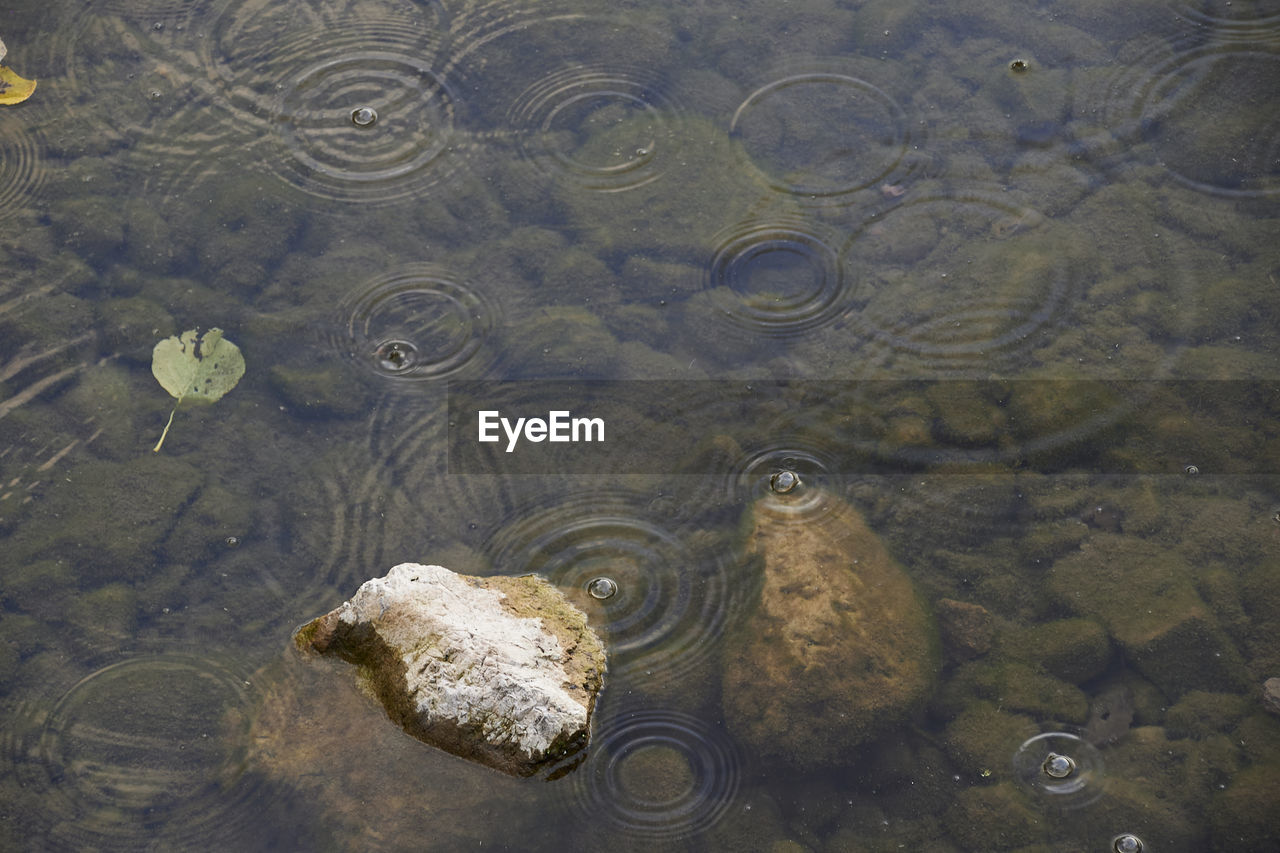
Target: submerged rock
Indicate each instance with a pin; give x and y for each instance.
(839, 645)
(501, 670)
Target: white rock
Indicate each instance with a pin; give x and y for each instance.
(500, 670)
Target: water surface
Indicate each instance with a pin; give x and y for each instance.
(1002, 278)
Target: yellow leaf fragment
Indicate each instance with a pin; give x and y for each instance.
(14, 89)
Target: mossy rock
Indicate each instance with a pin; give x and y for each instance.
(1074, 650)
(699, 159)
(107, 518)
(996, 817)
(132, 326)
(107, 615)
(984, 737)
(327, 391)
(1244, 816)
(1022, 688)
(204, 526)
(41, 588)
(560, 343)
(1199, 714)
(1145, 596)
(838, 646)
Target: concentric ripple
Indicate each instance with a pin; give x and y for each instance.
(1210, 116)
(582, 98)
(672, 600)
(22, 168)
(1199, 109)
(658, 775)
(1232, 18)
(814, 469)
(334, 156)
(822, 133)
(956, 279)
(147, 750)
(129, 85)
(1062, 769)
(301, 71)
(415, 323)
(602, 128)
(778, 277)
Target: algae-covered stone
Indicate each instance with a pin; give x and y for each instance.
(1244, 816)
(838, 646)
(560, 342)
(1200, 714)
(1145, 596)
(1017, 687)
(205, 525)
(1074, 650)
(108, 614)
(997, 817)
(984, 737)
(320, 392)
(503, 671)
(967, 629)
(107, 518)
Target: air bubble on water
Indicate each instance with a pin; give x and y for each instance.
(396, 356)
(1127, 843)
(784, 481)
(601, 588)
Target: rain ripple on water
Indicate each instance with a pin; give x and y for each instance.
(415, 322)
(656, 775)
(674, 596)
(778, 277)
(583, 98)
(1196, 103)
(146, 750)
(22, 168)
(301, 73)
(956, 278)
(824, 133)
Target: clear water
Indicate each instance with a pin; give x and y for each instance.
(1000, 277)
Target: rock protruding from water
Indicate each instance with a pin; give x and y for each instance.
(839, 645)
(503, 671)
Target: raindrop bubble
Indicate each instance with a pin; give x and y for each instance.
(397, 356)
(364, 117)
(232, 541)
(784, 481)
(1191, 469)
(1019, 66)
(1058, 766)
(1065, 769)
(1127, 843)
(601, 588)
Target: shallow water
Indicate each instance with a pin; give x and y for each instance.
(1001, 279)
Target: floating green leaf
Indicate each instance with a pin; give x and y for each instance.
(201, 370)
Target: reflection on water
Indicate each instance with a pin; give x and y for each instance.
(997, 278)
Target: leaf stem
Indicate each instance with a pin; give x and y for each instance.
(156, 449)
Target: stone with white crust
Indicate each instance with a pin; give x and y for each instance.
(503, 671)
